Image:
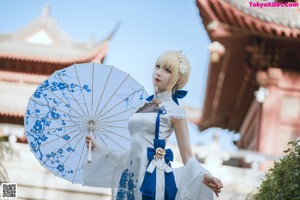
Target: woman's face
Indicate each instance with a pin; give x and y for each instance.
(161, 78)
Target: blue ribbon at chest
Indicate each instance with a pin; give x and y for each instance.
(155, 155)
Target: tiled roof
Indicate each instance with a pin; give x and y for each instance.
(238, 15)
(40, 41)
(13, 49)
(286, 16)
(21, 77)
(43, 41)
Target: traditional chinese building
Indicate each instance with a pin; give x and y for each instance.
(32, 53)
(253, 84)
(27, 57)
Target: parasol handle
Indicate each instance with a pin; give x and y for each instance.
(90, 152)
(91, 128)
(90, 149)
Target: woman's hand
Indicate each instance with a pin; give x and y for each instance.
(88, 140)
(213, 183)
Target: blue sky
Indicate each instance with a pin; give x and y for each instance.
(147, 29)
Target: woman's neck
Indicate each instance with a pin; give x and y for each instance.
(161, 91)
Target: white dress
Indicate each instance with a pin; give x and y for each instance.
(124, 172)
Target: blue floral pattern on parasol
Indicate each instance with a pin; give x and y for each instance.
(63, 108)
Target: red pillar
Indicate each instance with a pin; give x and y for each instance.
(280, 112)
(270, 110)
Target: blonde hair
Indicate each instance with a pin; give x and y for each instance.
(179, 65)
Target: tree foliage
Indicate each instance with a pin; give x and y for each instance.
(283, 179)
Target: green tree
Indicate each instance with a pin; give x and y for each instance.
(283, 179)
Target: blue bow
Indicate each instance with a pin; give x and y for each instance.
(179, 94)
(150, 98)
(148, 186)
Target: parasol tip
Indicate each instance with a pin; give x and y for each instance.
(91, 125)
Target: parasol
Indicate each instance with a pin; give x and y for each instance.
(74, 102)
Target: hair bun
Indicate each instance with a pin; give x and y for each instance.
(183, 63)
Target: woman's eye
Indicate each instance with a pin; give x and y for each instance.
(168, 70)
(157, 66)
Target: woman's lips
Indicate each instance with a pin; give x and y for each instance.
(157, 80)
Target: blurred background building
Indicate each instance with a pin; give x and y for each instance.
(28, 57)
(31, 54)
(253, 84)
(253, 88)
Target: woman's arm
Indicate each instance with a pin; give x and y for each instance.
(183, 140)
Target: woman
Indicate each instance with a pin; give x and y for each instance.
(145, 172)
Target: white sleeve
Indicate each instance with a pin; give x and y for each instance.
(190, 185)
(117, 158)
(178, 112)
(105, 168)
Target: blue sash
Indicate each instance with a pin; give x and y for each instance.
(148, 187)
